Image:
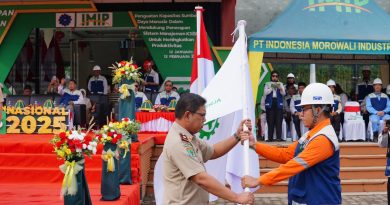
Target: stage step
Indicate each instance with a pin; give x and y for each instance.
(46, 175)
(355, 185)
(49, 160)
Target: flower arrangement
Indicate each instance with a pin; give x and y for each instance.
(129, 127)
(122, 71)
(109, 134)
(160, 108)
(74, 144)
(125, 70)
(71, 146)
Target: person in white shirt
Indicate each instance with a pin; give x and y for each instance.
(274, 92)
(97, 84)
(151, 80)
(62, 86)
(166, 96)
(140, 97)
(71, 95)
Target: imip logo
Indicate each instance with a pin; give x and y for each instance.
(317, 98)
(347, 6)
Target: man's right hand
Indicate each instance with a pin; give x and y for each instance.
(245, 198)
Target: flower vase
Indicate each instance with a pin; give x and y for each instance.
(110, 189)
(82, 196)
(127, 105)
(125, 164)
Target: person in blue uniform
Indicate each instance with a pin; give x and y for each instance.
(140, 97)
(151, 79)
(378, 105)
(166, 96)
(97, 84)
(274, 92)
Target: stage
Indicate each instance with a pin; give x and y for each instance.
(29, 172)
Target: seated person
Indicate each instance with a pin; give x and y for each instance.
(52, 88)
(140, 97)
(71, 95)
(97, 84)
(27, 90)
(378, 105)
(165, 97)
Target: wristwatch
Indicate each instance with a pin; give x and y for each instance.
(237, 137)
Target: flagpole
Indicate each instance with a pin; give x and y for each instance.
(242, 36)
(199, 11)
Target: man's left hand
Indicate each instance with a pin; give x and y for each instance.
(247, 122)
(248, 181)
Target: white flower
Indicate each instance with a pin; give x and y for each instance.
(79, 150)
(90, 147)
(84, 146)
(94, 151)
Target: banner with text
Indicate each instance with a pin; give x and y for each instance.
(319, 46)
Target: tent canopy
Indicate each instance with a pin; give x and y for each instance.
(331, 26)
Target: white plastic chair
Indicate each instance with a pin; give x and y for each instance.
(353, 127)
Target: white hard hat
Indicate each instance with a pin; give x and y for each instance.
(317, 94)
(96, 67)
(377, 81)
(290, 75)
(366, 68)
(331, 83)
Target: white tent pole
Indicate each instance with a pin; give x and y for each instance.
(312, 73)
(198, 10)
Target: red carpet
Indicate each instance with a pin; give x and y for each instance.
(29, 173)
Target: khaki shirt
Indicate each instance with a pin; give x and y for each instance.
(1, 96)
(184, 156)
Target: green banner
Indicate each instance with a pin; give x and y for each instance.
(170, 37)
(320, 46)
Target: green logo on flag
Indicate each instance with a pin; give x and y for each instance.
(211, 126)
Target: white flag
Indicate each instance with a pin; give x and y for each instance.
(202, 73)
(225, 110)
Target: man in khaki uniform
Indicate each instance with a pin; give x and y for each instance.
(185, 178)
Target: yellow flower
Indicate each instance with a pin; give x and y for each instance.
(60, 153)
(68, 152)
(109, 138)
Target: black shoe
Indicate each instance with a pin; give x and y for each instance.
(375, 136)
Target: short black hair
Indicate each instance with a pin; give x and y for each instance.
(301, 84)
(73, 80)
(168, 81)
(188, 102)
(27, 87)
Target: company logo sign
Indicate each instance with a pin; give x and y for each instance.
(317, 98)
(347, 6)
